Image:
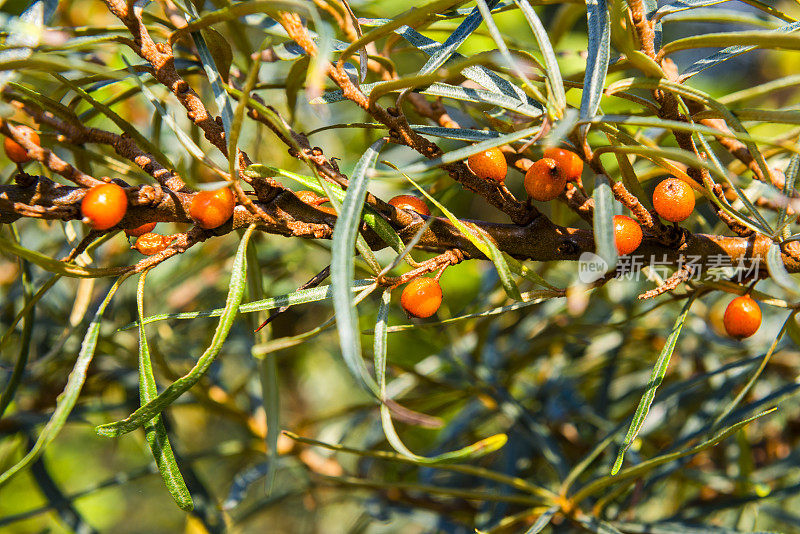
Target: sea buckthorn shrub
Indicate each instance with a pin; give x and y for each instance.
(468, 266)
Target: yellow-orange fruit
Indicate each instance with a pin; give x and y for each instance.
(311, 198)
(627, 234)
(570, 163)
(211, 209)
(673, 200)
(149, 243)
(104, 206)
(140, 230)
(410, 202)
(544, 180)
(489, 165)
(17, 152)
(421, 297)
(742, 317)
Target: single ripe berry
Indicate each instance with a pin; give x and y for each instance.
(673, 200)
(410, 202)
(742, 317)
(489, 165)
(421, 297)
(140, 230)
(544, 180)
(104, 206)
(211, 209)
(17, 152)
(627, 234)
(149, 243)
(311, 198)
(570, 163)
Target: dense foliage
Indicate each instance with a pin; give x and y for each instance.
(246, 364)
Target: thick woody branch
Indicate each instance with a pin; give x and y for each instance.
(541, 240)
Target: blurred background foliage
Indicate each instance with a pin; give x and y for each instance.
(561, 379)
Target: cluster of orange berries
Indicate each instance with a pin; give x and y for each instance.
(545, 179)
(105, 205)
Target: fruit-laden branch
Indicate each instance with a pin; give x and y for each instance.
(540, 240)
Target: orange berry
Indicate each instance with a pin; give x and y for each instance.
(489, 165)
(742, 317)
(544, 180)
(149, 244)
(211, 209)
(570, 163)
(140, 230)
(421, 297)
(104, 206)
(673, 200)
(627, 234)
(17, 152)
(410, 202)
(311, 198)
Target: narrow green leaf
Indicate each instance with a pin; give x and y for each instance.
(294, 81)
(70, 270)
(212, 71)
(154, 430)
(479, 74)
(455, 39)
(269, 381)
(302, 296)
(494, 31)
(543, 520)
(736, 43)
(362, 246)
(342, 268)
(791, 173)
(683, 5)
(603, 222)
(471, 452)
(597, 61)
(66, 401)
(777, 270)
(529, 107)
(179, 387)
(410, 18)
(555, 83)
(659, 370)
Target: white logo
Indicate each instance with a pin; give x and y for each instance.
(591, 267)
